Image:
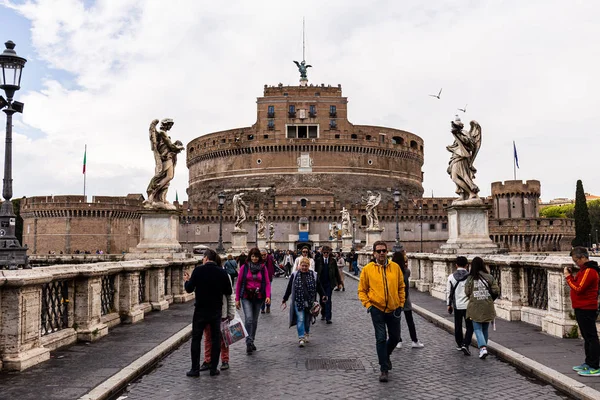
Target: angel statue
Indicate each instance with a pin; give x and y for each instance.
(165, 158)
(333, 232)
(271, 231)
(302, 68)
(372, 201)
(346, 222)
(239, 211)
(464, 150)
(262, 226)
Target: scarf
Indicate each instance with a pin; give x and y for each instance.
(305, 290)
(254, 268)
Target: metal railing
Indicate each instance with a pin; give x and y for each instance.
(55, 311)
(107, 294)
(537, 287)
(142, 287)
(495, 272)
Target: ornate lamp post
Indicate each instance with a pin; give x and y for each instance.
(256, 230)
(397, 245)
(353, 233)
(12, 255)
(220, 248)
(421, 219)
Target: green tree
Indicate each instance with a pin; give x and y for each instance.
(557, 211)
(583, 227)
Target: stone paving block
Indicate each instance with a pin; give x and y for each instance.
(278, 369)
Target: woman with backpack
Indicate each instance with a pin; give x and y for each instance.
(399, 258)
(482, 289)
(302, 288)
(252, 290)
(230, 267)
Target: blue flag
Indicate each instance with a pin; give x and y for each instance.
(516, 157)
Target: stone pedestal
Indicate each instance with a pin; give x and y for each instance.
(159, 232)
(346, 243)
(262, 243)
(239, 241)
(334, 244)
(372, 236)
(468, 229)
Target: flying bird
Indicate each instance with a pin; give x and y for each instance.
(437, 95)
(463, 109)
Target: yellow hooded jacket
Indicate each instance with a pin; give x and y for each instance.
(372, 290)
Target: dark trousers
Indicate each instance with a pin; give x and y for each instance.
(459, 316)
(198, 325)
(385, 346)
(586, 319)
(408, 316)
(327, 306)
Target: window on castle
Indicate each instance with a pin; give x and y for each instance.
(414, 144)
(250, 137)
(302, 202)
(337, 136)
(333, 124)
(271, 112)
(271, 124)
(312, 111)
(292, 111)
(354, 136)
(397, 140)
(368, 137)
(302, 131)
(333, 111)
(432, 227)
(444, 226)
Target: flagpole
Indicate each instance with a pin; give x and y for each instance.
(84, 169)
(514, 161)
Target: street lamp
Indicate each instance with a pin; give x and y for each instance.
(12, 254)
(353, 233)
(397, 245)
(421, 223)
(256, 230)
(220, 248)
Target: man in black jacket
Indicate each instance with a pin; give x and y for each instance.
(329, 276)
(210, 283)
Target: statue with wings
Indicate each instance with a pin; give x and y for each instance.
(165, 159)
(261, 229)
(346, 222)
(302, 68)
(372, 201)
(464, 150)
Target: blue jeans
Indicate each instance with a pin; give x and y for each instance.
(385, 346)
(355, 267)
(303, 322)
(251, 313)
(481, 333)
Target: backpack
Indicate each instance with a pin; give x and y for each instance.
(453, 290)
(489, 289)
(230, 269)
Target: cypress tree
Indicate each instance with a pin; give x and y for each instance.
(583, 227)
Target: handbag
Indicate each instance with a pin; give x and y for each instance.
(233, 331)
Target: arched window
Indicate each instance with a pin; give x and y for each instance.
(414, 144)
(353, 136)
(303, 202)
(397, 140)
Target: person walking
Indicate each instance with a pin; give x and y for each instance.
(457, 302)
(227, 313)
(304, 253)
(288, 262)
(252, 290)
(269, 261)
(341, 263)
(210, 283)
(354, 258)
(399, 257)
(480, 288)
(329, 276)
(381, 291)
(584, 298)
(230, 267)
(302, 288)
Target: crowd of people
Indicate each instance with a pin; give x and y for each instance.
(383, 289)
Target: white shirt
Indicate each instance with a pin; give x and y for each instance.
(297, 264)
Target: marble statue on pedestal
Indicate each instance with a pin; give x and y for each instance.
(333, 232)
(165, 158)
(262, 226)
(239, 211)
(372, 201)
(464, 150)
(346, 222)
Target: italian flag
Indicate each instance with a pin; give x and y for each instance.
(84, 158)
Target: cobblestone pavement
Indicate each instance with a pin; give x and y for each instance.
(279, 369)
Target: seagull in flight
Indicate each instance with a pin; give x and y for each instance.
(437, 95)
(463, 109)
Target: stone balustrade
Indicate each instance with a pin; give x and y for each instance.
(44, 308)
(532, 288)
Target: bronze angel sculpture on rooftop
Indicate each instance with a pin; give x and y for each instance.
(464, 150)
(165, 158)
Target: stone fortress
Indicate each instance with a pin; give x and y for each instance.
(300, 163)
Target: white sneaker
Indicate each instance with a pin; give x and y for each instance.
(301, 343)
(417, 345)
(483, 353)
(306, 338)
(399, 345)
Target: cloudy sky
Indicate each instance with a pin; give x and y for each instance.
(99, 71)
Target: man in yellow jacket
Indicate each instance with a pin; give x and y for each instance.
(381, 291)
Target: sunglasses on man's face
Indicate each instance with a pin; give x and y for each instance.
(381, 251)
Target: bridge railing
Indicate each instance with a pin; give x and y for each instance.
(44, 308)
(533, 288)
